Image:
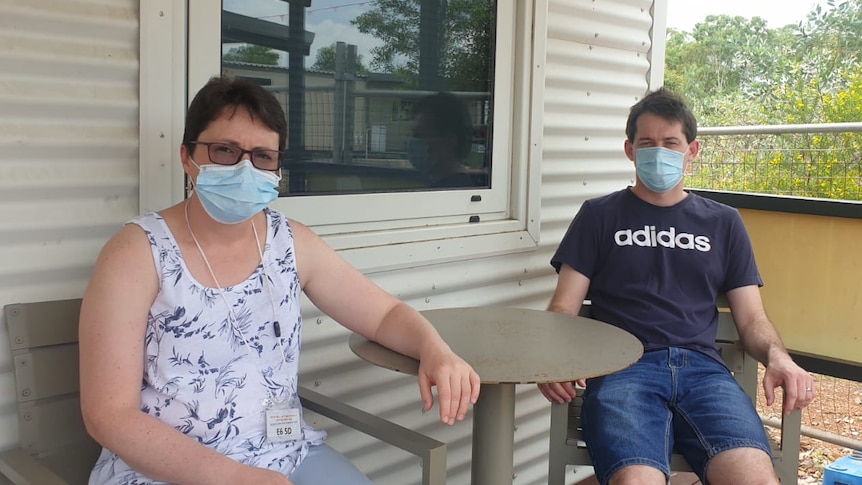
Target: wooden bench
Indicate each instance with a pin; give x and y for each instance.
(54, 447)
(568, 448)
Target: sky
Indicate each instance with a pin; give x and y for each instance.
(683, 14)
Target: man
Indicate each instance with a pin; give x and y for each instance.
(652, 259)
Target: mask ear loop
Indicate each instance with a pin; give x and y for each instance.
(190, 186)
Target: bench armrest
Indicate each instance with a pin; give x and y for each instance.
(787, 466)
(22, 469)
(431, 451)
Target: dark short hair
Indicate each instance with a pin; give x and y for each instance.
(664, 103)
(222, 94)
(448, 115)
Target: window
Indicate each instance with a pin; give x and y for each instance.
(409, 120)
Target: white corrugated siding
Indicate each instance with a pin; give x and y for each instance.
(597, 67)
(68, 150)
(69, 178)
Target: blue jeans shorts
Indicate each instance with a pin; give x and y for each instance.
(671, 400)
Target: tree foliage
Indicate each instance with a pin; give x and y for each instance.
(253, 54)
(736, 71)
(465, 40)
(324, 60)
(726, 58)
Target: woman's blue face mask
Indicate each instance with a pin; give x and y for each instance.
(660, 169)
(231, 194)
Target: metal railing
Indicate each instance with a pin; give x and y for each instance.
(810, 161)
(817, 160)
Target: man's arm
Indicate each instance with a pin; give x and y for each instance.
(761, 341)
(568, 297)
(571, 290)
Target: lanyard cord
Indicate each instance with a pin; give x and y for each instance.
(231, 316)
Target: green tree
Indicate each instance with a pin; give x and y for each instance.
(820, 66)
(324, 60)
(724, 59)
(253, 54)
(780, 75)
(471, 45)
(465, 36)
(830, 40)
(735, 71)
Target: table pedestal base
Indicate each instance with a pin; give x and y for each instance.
(493, 435)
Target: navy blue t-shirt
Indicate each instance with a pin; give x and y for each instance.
(656, 271)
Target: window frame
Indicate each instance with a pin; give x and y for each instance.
(418, 228)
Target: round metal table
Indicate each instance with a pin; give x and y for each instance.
(508, 346)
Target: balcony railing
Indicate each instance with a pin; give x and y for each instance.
(809, 161)
(818, 160)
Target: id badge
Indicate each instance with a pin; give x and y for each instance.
(283, 424)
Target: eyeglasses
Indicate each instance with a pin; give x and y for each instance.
(226, 154)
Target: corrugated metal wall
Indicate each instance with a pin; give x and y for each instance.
(68, 150)
(69, 178)
(597, 67)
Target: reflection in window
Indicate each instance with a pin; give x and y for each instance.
(380, 96)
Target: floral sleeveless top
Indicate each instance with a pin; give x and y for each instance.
(199, 375)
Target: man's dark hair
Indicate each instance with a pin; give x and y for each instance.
(664, 103)
(448, 115)
(225, 95)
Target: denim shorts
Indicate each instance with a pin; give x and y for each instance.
(671, 400)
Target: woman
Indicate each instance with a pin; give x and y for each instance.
(201, 302)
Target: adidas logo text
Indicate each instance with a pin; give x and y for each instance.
(649, 237)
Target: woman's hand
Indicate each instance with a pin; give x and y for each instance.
(457, 383)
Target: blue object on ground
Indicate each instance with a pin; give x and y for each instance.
(844, 471)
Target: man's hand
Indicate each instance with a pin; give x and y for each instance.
(798, 385)
(457, 384)
(561, 392)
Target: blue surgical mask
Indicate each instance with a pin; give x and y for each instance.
(417, 155)
(660, 169)
(231, 194)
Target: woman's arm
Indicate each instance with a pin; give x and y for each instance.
(112, 329)
(343, 293)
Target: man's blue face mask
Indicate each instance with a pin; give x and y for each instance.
(231, 194)
(660, 169)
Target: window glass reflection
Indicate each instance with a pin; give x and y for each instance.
(380, 96)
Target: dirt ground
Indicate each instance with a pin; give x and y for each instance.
(836, 409)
